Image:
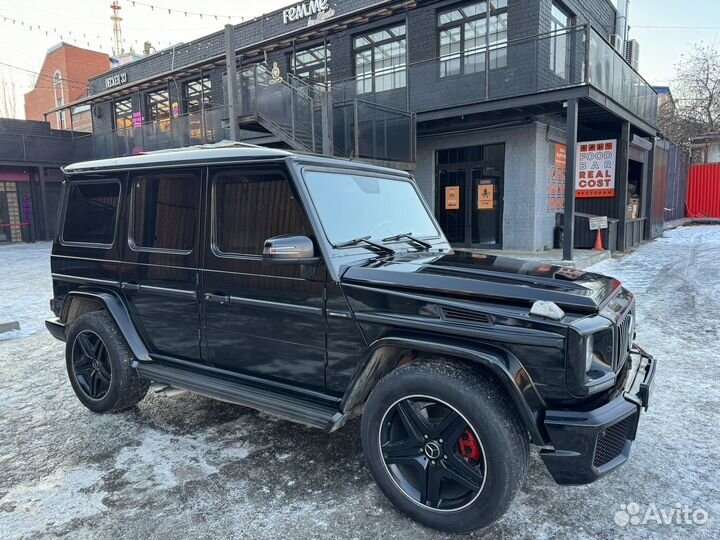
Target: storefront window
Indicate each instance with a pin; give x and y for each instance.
(467, 32)
(380, 60)
(158, 106)
(197, 95)
(123, 114)
(559, 22)
(312, 64)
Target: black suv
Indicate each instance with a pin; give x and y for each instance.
(320, 290)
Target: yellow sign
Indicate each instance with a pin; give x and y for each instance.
(486, 197)
(452, 198)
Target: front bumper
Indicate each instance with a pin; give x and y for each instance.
(590, 444)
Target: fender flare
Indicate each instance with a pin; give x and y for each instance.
(503, 365)
(114, 305)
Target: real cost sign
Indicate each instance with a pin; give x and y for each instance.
(595, 169)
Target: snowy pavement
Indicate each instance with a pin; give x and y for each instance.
(194, 468)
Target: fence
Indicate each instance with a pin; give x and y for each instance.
(703, 198)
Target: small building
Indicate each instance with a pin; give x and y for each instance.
(490, 103)
(705, 149)
(63, 79)
(31, 154)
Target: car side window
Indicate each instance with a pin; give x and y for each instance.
(164, 211)
(251, 206)
(91, 212)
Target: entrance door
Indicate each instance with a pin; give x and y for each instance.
(469, 195)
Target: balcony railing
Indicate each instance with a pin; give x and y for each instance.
(201, 127)
(377, 124)
(570, 57)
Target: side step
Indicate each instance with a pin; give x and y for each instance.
(293, 408)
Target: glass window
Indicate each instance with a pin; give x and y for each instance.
(91, 212)
(198, 95)
(559, 23)
(312, 64)
(164, 210)
(158, 105)
(380, 207)
(123, 114)
(466, 34)
(380, 60)
(250, 207)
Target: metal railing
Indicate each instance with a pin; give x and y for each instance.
(201, 127)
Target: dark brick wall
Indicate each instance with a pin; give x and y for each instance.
(527, 68)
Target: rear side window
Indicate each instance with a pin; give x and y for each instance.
(250, 207)
(91, 212)
(164, 211)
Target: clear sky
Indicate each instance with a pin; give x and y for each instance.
(87, 23)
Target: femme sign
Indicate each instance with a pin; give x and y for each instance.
(306, 9)
(595, 169)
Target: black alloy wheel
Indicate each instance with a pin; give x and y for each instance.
(91, 365)
(432, 453)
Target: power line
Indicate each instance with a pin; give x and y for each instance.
(170, 11)
(40, 75)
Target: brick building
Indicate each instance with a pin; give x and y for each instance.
(489, 102)
(63, 79)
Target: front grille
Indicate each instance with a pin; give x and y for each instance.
(612, 441)
(625, 330)
(465, 316)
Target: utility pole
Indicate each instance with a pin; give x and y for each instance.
(117, 31)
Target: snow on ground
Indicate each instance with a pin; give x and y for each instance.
(195, 468)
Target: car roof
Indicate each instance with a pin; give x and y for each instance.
(224, 151)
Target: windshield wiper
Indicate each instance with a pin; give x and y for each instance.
(365, 240)
(410, 237)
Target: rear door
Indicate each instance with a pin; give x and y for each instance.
(159, 274)
(262, 320)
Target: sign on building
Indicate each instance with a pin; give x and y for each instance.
(595, 169)
(452, 197)
(116, 80)
(486, 196)
(306, 9)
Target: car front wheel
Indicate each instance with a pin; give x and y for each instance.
(444, 445)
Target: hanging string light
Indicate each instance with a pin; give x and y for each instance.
(136, 3)
(62, 36)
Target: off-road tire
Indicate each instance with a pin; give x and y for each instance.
(490, 414)
(126, 388)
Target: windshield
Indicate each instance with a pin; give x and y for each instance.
(352, 206)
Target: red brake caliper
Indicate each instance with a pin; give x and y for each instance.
(469, 447)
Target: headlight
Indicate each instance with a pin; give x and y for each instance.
(590, 356)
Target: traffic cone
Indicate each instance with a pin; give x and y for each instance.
(598, 242)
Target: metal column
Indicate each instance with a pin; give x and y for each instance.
(232, 86)
(621, 183)
(571, 144)
(43, 202)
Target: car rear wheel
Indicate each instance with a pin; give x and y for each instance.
(99, 365)
(444, 445)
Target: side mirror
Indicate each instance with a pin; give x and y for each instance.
(290, 249)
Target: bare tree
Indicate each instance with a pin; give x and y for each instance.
(696, 108)
(8, 97)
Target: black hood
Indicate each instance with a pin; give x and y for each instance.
(479, 275)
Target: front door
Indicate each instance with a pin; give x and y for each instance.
(261, 320)
(469, 195)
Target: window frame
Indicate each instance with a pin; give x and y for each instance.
(302, 73)
(115, 115)
(214, 218)
(555, 32)
(131, 213)
(460, 24)
(66, 198)
(204, 96)
(370, 47)
(151, 105)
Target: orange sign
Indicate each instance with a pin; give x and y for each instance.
(560, 156)
(486, 196)
(452, 197)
